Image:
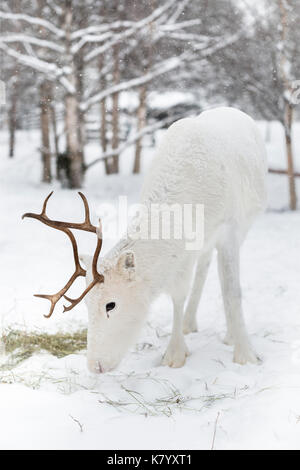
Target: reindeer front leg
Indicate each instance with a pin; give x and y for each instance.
(229, 273)
(177, 350)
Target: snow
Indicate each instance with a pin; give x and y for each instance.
(45, 401)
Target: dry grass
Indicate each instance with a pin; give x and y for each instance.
(167, 406)
(20, 345)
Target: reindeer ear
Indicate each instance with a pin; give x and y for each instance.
(86, 260)
(126, 265)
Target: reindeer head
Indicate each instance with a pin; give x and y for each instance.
(111, 294)
(116, 310)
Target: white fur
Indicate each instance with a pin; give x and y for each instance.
(216, 159)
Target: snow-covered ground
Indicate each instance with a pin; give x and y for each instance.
(47, 402)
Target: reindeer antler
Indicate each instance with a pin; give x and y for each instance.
(79, 271)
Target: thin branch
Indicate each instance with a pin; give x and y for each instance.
(282, 172)
(183, 24)
(146, 130)
(50, 69)
(124, 24)
(102, 28)
(23, 38)
(161, 68)
(179, 10)
(131, 31)
(33, 20)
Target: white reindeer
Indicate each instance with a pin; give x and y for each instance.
(217, 159)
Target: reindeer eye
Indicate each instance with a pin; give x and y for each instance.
(110, 306)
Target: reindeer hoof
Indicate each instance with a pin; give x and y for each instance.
(175, 356)
(244, 355)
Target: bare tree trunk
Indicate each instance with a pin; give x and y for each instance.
(45, 98)
(12, 113)
(141, 111)
(81, 114)
(54, 129)
(141, 117)
(12, 116)
(290, 160)
(115, 110)
(103, 103)
(71, 110)
(284, 64)
(55, 138)
(103, 124)
(73, 146)
(79, 71)
(103, 132)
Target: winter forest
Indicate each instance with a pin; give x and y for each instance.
(88, 89)
(100, 67)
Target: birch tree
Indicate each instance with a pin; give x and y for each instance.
(286, 51)
(63, 42)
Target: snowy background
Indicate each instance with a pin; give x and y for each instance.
(46, 402)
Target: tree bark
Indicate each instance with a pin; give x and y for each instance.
(73, 146)
(103, 132)
(81, 114)
(284, 64)
(290, 160)
(72, 109)
(45, 99)
(54, 129)
(115, 110)
(12, 116)
(141, 118)
(79, 71)
(103, 117)
(103, 103)
(141, 111)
